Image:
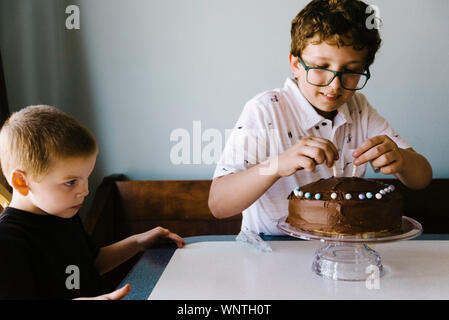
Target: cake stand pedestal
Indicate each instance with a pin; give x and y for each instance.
(348, 257)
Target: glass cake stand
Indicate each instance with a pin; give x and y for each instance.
(348, 257)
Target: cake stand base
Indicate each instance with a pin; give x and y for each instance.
(347, 261)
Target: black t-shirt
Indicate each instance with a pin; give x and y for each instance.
(46, 257)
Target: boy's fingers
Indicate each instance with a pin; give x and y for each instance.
(391, 168)
(329, 152)
(328, 143)
(372, 154)
(306, 163)
(384, 160)
(119, 293)
(165, 233)
(314, 153)
(177, 239)
(367, 145)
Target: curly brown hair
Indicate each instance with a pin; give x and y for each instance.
(338, 22)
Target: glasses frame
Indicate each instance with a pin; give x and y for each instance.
(336, 74)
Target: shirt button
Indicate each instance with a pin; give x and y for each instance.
(318, 128)
(324, 124)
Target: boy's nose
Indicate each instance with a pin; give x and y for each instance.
(336, 83)
(84, 190)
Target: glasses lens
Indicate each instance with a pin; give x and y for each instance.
(353, 81)
(319, 77)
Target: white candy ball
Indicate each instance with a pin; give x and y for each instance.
(348, 196)
(378, 196)
(334, 195)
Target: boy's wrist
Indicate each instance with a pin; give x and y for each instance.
(270, 168)
(138, 243)
(403, 168)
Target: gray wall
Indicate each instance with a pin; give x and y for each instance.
(137, 70)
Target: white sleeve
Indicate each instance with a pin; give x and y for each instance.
(242, 149)
(377, 125)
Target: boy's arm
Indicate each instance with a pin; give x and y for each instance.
(417, 172)
(231, 194)
(115, 254)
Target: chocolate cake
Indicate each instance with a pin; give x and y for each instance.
(345, 205)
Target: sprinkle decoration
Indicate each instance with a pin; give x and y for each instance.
(347, 196)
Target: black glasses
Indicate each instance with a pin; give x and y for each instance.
(321, 77)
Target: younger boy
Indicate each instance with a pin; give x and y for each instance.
(45, 253)
(318, 117)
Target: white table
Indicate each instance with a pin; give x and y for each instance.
(417, 269)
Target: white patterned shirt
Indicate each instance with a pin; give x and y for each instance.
(272, 122)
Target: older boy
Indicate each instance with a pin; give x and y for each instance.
(318, 117)
(47, 157)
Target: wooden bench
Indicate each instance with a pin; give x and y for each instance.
(121, 208)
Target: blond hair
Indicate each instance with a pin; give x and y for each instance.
(36, 135)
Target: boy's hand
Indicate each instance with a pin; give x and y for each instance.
(383, 153)
(150, 237)
(306, 154)
(115, 295)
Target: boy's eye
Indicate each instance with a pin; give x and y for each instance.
(69, 183)
(355, 70)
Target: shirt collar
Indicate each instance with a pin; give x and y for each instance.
(309, 117)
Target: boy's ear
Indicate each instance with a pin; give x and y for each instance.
(19, 182)
(294, 65)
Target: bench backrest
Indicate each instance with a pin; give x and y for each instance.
(122, 208)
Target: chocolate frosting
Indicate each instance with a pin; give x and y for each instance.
(344, 216)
